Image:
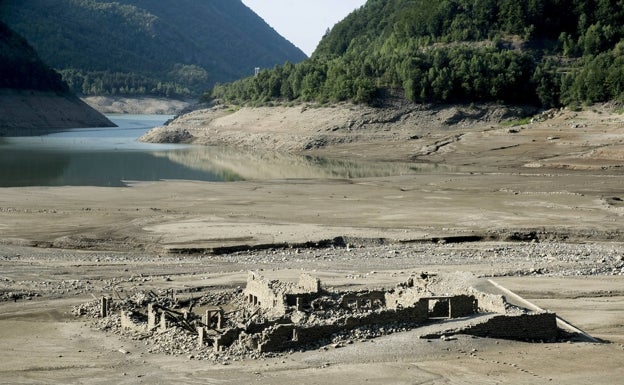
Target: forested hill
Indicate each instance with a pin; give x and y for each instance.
(33, 98)
(545, 52)
(173, 48)
(22, 69)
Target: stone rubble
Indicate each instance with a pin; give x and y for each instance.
(269, 318)
(553, 259)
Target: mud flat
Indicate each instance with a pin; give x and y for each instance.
(540, 203)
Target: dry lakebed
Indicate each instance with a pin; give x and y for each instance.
(537, 207)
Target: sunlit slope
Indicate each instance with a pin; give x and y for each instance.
(541, 52)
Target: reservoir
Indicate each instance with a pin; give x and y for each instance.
(113, 157)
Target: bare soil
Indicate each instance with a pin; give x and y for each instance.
(542, 201)
(37, 113)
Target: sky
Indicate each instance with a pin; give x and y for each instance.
(303, 22)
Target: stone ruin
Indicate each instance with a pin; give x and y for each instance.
(271, 316)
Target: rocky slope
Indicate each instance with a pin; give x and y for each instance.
(308, 127)
(25, 112)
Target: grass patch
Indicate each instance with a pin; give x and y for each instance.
(233, 109)
(520, 122)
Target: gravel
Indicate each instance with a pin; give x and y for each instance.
(82, 273)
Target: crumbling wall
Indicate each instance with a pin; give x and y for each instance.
(131, 320)
(309, 284)
(491, 303)
(370, 299)
(462, 306)
(260, 292)
(283, 337)
(534, 326)
(301, 301)
(273, 316)
(225, 339)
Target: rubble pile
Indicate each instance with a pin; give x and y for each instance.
(270, 317)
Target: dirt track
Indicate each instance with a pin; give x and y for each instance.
(551, 181)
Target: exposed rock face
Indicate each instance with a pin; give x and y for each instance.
(24, 112)
(163, 135)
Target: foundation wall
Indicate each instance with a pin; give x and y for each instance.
(284, 337)
(539, 326)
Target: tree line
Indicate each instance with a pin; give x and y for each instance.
(144, 47)
(544, 52)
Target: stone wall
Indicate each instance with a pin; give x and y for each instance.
(309, 284)
(259, 292)
(368, 300)
(462, 306)
(130, 320)
(491, 303)
(530, 327)
(283, 337)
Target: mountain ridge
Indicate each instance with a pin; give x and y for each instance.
(148, 47)
(543, 52)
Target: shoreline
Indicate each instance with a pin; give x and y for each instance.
(535, 177)
(479, 136)
(36, 112)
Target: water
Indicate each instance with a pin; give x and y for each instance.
(113, 156)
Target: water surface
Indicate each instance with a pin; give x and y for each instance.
(113, 156)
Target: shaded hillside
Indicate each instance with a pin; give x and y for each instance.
(32, 95)
(138, 47)
(544, 52)
(21, 68)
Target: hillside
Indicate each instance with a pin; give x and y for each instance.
(21, 68)
(541, 52)
(32, 95)
(148, 47)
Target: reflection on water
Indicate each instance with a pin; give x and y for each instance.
(270, 165)
(110, 156)
(96, 168)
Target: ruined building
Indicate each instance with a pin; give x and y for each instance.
(273, 316)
